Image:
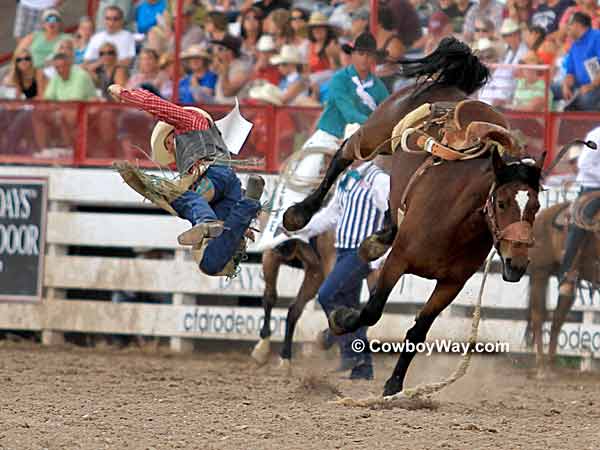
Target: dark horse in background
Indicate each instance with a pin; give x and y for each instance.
(546, 256)
(455, 211)
(317, 261)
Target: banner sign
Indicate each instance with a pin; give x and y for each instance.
(22, 237)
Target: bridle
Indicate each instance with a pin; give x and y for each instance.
(518, 234)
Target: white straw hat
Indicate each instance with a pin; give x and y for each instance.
(267, 92)
(288, 55)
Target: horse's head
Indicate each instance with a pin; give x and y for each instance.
(510, 211)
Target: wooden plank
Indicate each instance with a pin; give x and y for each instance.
(169, 276)
(97, 186)
(117, 230)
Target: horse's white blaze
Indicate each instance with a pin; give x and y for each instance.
(522, 197)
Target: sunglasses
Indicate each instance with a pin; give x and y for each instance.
(24, 58)
(296, 18)
(108, 53)
(52, 19)
(481, 30)
(112, 18)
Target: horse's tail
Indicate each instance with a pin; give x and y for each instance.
(452, 63)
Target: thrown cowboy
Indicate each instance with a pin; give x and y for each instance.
(214, 204)
(353, 94)
(588, 178)
(356, 211)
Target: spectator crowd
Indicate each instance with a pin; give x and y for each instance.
(285, 53)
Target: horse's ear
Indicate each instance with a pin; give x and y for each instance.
(497, 162)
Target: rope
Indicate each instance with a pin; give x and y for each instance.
(422, 392)
(578, 212)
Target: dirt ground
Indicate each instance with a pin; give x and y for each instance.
(80, 398)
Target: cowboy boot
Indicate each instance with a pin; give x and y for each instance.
(201, 231)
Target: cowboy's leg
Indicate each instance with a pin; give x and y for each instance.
(227, 189)
(193, 207)
(220, 250)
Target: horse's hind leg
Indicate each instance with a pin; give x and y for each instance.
(347, 320)
(442, 296)
(271, 262)
(298, 215)
(313, 277)
(565, 302)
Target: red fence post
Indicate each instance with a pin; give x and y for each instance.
(272, 156)
(177, 62)
(80, 146)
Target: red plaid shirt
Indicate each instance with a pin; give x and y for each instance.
(183, 120)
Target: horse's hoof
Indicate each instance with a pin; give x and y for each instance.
(296, 217)
(342, 319)
(324, 340)
(261, 351)
(392, 388)
(396, 396)
(285, 365)
(372, 248)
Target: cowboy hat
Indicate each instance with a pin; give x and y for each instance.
(195, 51)
(509, 26)
(318, 19)
(230, 42)
(365, 42)
(266, 43)
(161, 130)
(268, 93)
(288, 55)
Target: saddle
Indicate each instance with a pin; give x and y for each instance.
(454, 131)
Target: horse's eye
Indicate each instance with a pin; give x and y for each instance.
(501, 204)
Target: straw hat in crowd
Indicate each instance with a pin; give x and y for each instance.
(288, 55)
(268, 93)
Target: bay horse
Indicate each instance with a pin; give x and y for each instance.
(546, 257)
(316, 262)
(455, 211)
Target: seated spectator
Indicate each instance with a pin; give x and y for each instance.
(108, 71)
(530, 91)
(115, 34)
(489, 9)
(66, 46)
(322, 53)
(439, 27)
(82, 37)
(424, 10)
(233, 72)
(148, 72)
(360, 22)
(263, 69)
(277, 24)
(520, 11)
(298, 21)
(166, 64)
(548, 13)
(41, 43)
(146, 13)
(456, 10)
(126, 6)
(341, 15)
(589, 7)
(398, 28)
(28, 82)
(70, 82)
(292, 84)
(28, 15)
(216, 25)
(251, 30)
(487, 52)
(199, 85)
(581, 87)
(534, 37)
(485, 31)
(500, 90)
(161, 37)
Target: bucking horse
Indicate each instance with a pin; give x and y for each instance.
(461, 184)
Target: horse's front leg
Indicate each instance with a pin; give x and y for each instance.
(538, 281)
(271, 262)
(442, 296)
(346, 320)
(313, 277)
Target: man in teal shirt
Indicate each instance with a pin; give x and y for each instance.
(354, 93)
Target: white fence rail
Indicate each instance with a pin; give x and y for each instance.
(219, 315)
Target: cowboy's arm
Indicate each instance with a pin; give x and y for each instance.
(338, 93)
(181, 119)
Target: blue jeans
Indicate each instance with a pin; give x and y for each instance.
(227, 205)
(342, 288)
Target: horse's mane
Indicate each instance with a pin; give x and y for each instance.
(451, 64)
(519, 171)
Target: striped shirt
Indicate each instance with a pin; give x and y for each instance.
(357, 208)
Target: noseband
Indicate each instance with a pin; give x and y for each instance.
(520, 232)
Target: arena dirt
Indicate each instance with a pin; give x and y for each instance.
(74, 398)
